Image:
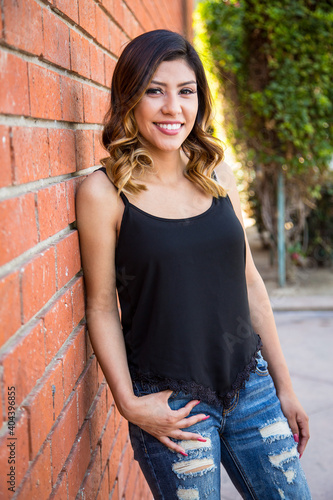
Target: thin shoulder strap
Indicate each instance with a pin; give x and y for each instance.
(123, 196)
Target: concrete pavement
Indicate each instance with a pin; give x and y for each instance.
(304, 316)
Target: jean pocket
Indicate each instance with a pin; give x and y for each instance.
(262, 366)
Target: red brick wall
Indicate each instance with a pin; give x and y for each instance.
(56, 60)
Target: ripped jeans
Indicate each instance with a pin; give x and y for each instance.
(252, 440)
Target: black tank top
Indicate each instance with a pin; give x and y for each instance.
(183, 298)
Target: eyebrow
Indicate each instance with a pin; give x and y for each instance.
(179, 85)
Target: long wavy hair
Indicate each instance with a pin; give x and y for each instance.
(134, 70)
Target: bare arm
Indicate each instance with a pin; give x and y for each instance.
(264, 324)
(98, 208)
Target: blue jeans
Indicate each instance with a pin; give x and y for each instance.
(252, 440)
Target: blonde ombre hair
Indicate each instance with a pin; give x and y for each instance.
(120, 137)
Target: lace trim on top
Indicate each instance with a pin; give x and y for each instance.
(197, 391)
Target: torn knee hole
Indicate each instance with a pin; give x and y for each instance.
(193, 466)
(187, 494)
(273, 431)
(188, 445)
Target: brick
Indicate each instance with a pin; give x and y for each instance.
(59, 491)
(86, 390)
(100, 374)
(63, 436)
(98, 417)
(72, 100)
(78, 462)
(58, 325)
(115, 39)
(38, 282)
(94, 109)
(31, 154)
(108, 439)
(74, 361)
(93, 476)
(18, 229)
(123, 472)
(61, 151)
(21, 450)
(104, 486)
(78, 301)
(103, 31)
(39, 483)
(24, 363)
(118, 11)
(71, 188)
(13, 79)
(44, 93)
(68, 258)
(71, 9)
(56, 39)
(110, 64)
(52, 210)
(23, 21)
(84, 142)
(109, 398)
(10, 306)
(97, 65)
(44, 405)
(90, 351)
(115, 495)
(80, 54)
(99, 151)
(5, 162)
(131, 481)
(87, 16)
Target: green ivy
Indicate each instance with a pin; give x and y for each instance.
(274, 62)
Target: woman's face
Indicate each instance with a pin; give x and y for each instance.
(166, 113)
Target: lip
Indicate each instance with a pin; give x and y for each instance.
(166, 131)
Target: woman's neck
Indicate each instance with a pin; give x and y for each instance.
(168, 167)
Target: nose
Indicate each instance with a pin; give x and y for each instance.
(171, 105)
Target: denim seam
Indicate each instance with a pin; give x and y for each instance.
(262, 373)
(240, 469)
(150, 463)
(227, 411)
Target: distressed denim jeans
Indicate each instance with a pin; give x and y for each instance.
(252, 440)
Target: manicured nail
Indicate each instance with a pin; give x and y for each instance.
(202, 440)
(296, 438)
(197, 403)
(300, 456)
(205, 418)
(183, 453)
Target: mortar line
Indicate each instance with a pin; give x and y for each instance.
(8, 192)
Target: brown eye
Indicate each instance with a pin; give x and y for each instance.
(153, 91)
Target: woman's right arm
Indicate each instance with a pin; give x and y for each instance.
(98, 207)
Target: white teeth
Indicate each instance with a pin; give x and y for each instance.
(169, 126)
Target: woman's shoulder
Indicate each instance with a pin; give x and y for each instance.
(225, 176)
(98, 193)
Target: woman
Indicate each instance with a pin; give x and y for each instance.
(187, 366)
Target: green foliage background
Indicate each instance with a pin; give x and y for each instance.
(274, 61)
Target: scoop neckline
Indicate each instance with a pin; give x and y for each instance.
(167, 219)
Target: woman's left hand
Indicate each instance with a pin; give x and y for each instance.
(297, 419)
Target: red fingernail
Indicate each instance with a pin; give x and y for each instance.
(197, 403)
(202, 440)
(183, 453)
(300, 456)
(296, 438)
(205, 418)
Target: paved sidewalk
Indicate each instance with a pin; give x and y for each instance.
(304, 318)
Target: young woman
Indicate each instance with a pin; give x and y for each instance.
(195, 364)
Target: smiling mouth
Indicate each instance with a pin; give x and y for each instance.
(169, 126)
